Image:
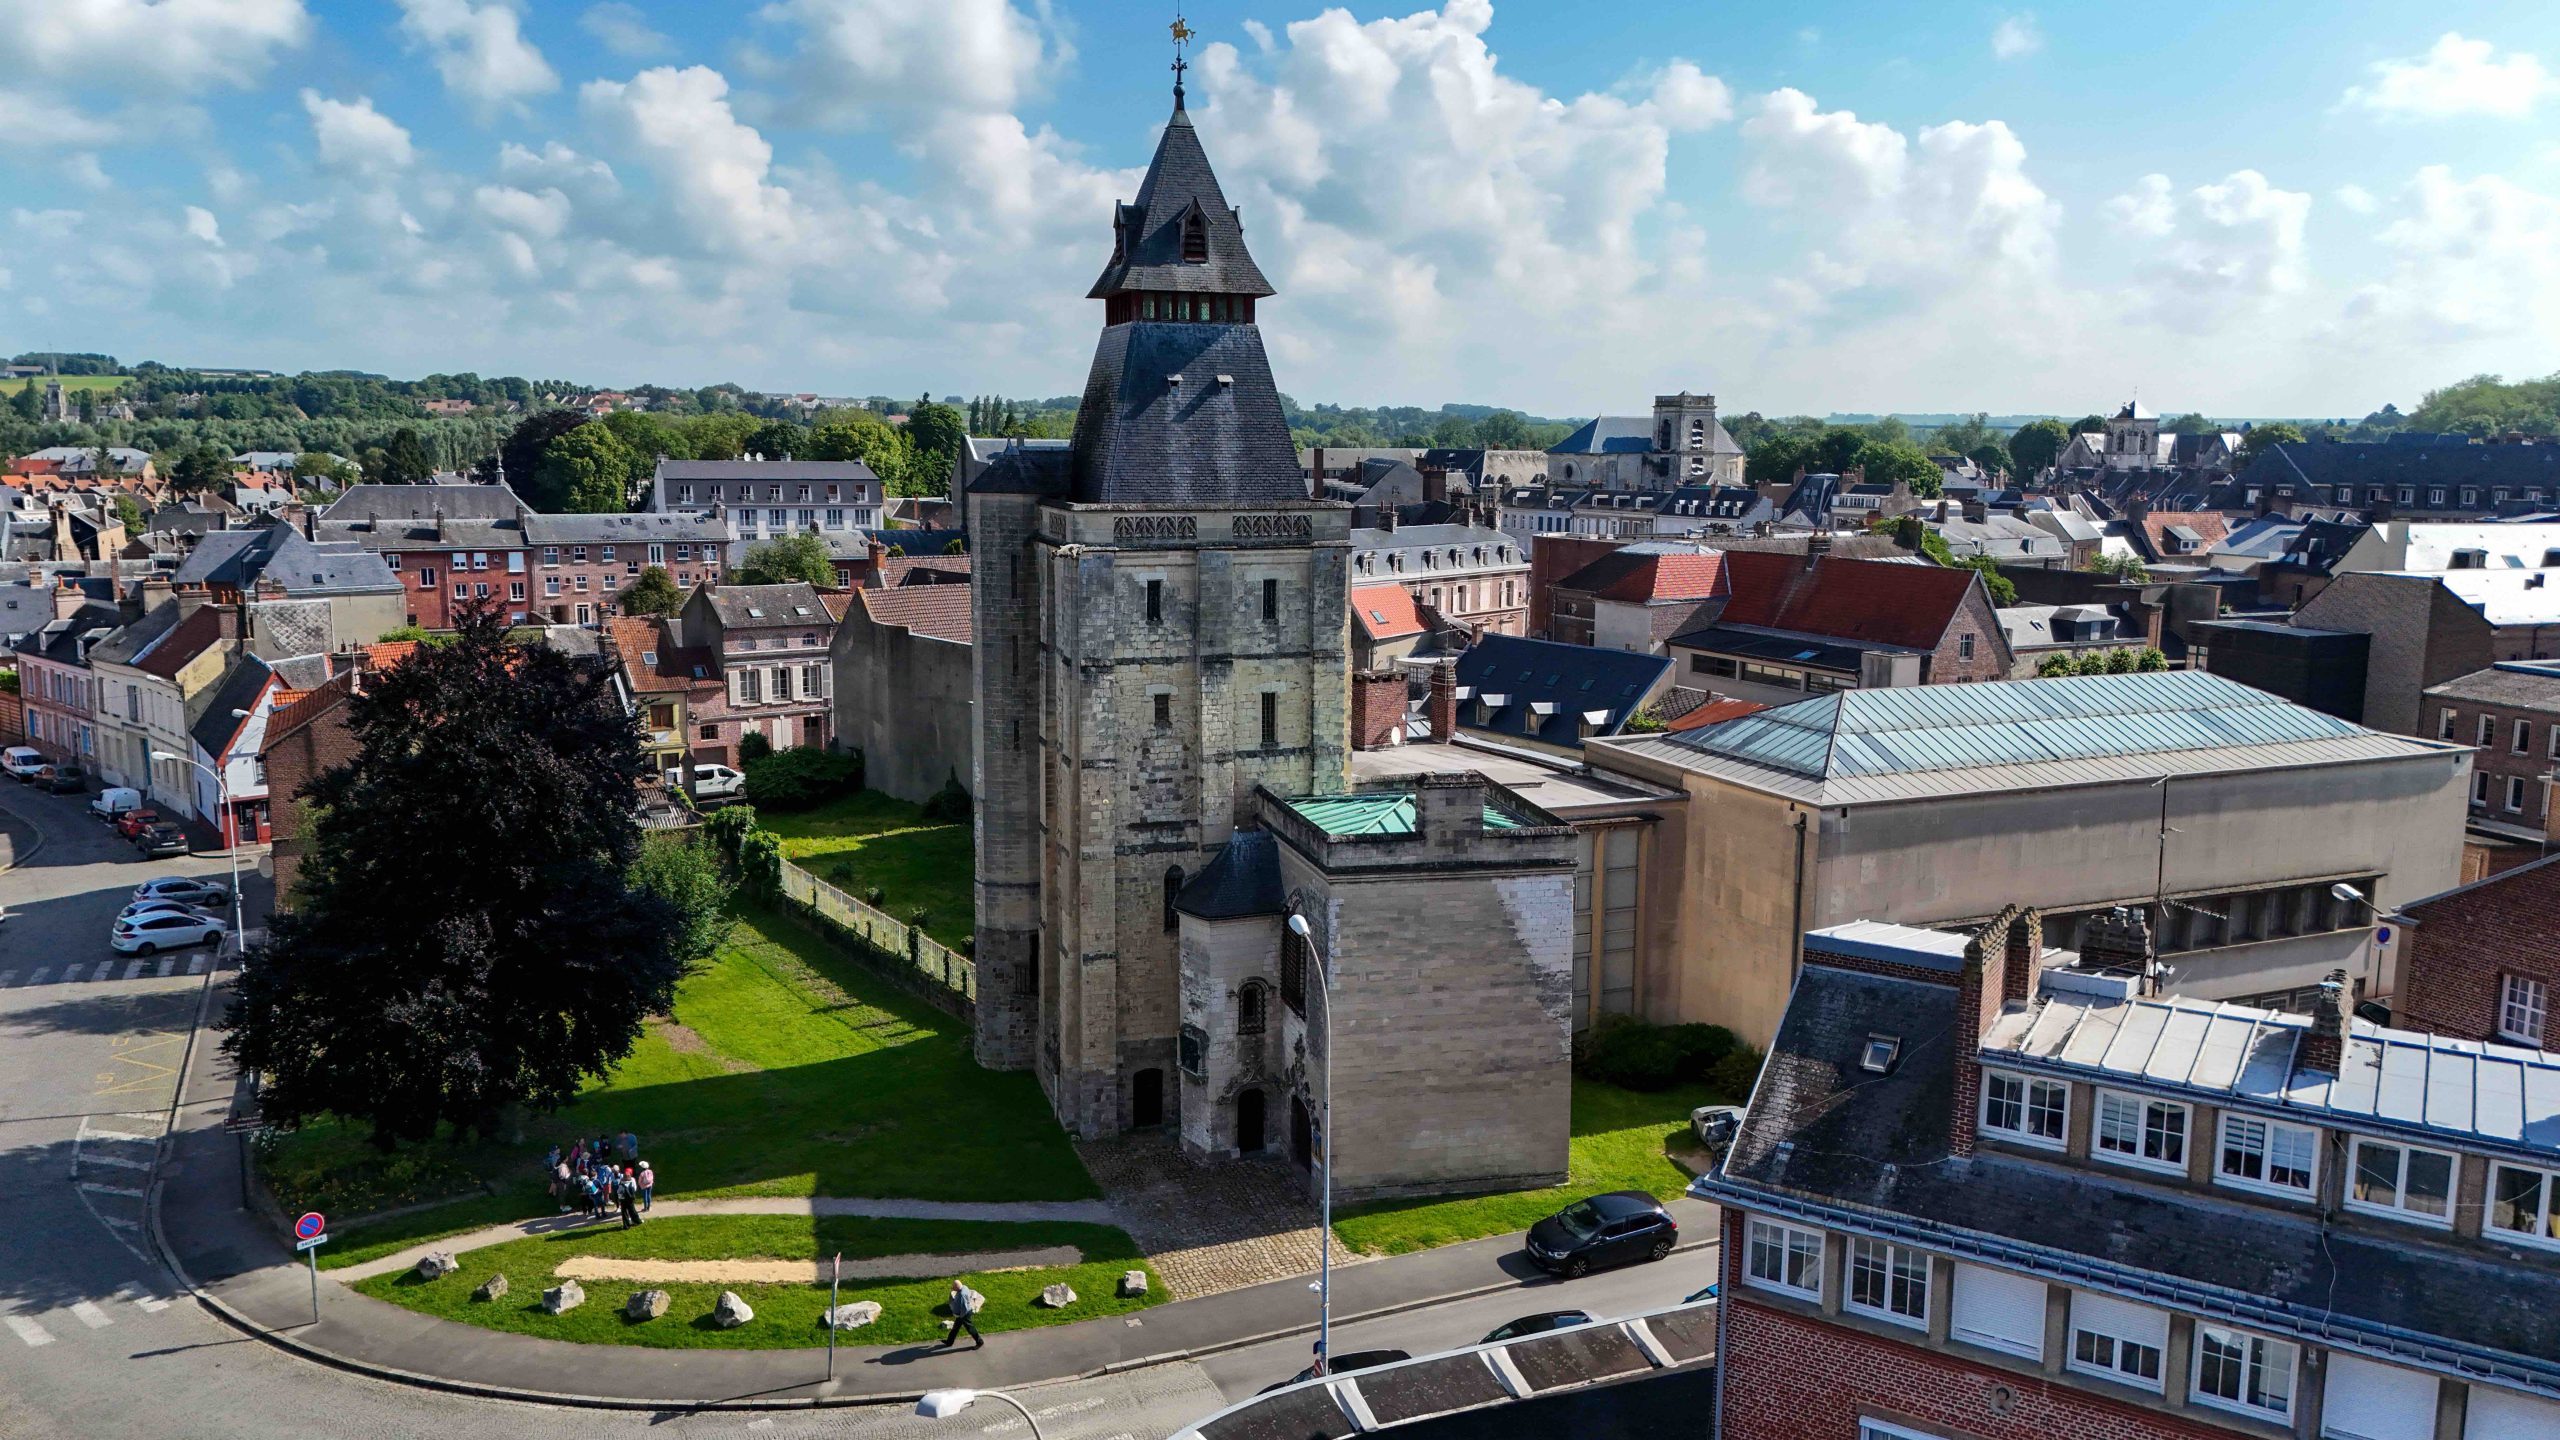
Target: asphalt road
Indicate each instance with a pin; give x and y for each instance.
(96, 1341)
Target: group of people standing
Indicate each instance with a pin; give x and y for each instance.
(601, 1176)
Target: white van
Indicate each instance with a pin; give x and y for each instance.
(21, 763)
(716, 782)
(115, 801)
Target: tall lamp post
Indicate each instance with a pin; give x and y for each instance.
(1299, 927)
(230, 831)
(2347, 894)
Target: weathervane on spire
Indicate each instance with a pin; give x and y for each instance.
(1182, 34)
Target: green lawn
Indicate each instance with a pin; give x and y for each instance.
(71, 384)
(787, 1316)
(869, 839)
(786, 1070)
(1619, 1140)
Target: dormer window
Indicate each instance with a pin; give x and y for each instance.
(1195, 239)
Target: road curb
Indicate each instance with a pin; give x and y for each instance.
(482, 1390)
(16, 858)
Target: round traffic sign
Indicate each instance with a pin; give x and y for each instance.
(312, 1223)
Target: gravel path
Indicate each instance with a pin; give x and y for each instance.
(1092, 1212)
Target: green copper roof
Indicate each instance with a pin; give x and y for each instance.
(1379, 812)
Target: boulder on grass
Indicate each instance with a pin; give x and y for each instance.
(1058, 1297)
(437, 1265)
(1133, 1283)
(731, 1312)
(567, 1295)
(645, 1305)
(853, 1316)
(493, 1288)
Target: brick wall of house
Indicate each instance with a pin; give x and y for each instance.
(432, 606)
(2455, 959)
(1978, 623)
(2497, 762)
(1788, 1377)
(1552, 558)
(1377, 710)
(292, 761)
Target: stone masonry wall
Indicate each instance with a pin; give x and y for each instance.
(1006, 748)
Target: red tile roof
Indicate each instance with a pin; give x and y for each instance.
(1385, 612)
(900, 569)
(654, 666)
(2211, 529)
(1881, 602)
(1715, 712)
(1639, 576)
(940, 611)
(333, 692)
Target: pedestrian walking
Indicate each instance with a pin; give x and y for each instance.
(648, 1185)
(595, 1198)
(562, 1183)
(963, 1315)
(627, 1190)
(630, 1147)
(578, 1155)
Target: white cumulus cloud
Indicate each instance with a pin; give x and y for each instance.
(858, 59)
(2355, 199)
(716, 169)
(624, 31)
(480, 50)
(202, 225)
(2472, 260)
(183, 44)
(2238, 239)
(2455, 77)
(2015, 37)
(355, 137)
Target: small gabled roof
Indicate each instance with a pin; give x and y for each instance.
(1385, 612)
(214, 731)
(1547, 691)
(1837, 597)
(1641, 576)
(941, 612)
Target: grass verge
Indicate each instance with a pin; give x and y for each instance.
(1621, 1141)
(787, 1316)
(869, 839)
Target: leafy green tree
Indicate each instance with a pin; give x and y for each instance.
(2002, 590)
(934, 430)
(589, 470)
(1837, 449)
(404, 460)
(2191, 423)
(2490, 405)
(314, 467)
(1503, 430)
(128, 514)
(649, 435)
(778, 440)
(1777, 457)
(456, 946)
(27, 405)
(654, 593)
(2127, 568)
(2034, 445)
(201, 469)
(864, 436)
(1964, 436)
(1887, 461)
(2089, 425)
(720, 435)
(2151, 661)
(784, 560)
(520, 454)
(685, 873)
(1989, 457)
(2266, 433)
(1455, 432)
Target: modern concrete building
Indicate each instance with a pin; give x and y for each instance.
(2224, 815)
(2432, 627)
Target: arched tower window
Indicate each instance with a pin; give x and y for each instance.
(1251, 1003)
(1195, 239)
(1172, 890)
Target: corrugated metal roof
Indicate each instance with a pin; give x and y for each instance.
(1378, 813)
(2461, 1089)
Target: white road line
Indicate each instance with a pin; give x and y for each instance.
(8, 978)
(28, 1330)
(94, 1188)
(151, 1304)
(38, 977)
(134, 970)
(103, 969)
(196, 965)
(168, 965)
(118, 1222)
(90, 1315)
(116, 1160)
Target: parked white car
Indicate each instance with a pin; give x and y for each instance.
(114, 801)
(21, 763)
(167, 930)
(140, 908)
(716, 782)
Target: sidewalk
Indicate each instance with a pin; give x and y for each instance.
(246, 1273)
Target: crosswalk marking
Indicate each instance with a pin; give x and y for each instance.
(150, 1304)
(28, 1330)
(95, 1188)
(134, 970)
(103, 968)
(38, 977)
(90, 1315)
(168, 965)
(196, 965)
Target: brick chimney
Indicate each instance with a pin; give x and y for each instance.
(1377, 709)
(1387, 518)
(2118, 939)
(2022, 959)
(1816, 545)
(2010, 941)
(2324, 1045)
(68, 597)
(1440, 708)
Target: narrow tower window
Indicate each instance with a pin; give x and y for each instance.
(1155, 602)
(1195, 240)
(1270, 599)
(1270, 720)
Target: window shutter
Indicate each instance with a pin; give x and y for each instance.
(2367, 1401)
(1999, 1310)
(2138, 1323)
(2504, 1415)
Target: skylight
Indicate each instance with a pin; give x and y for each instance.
(1878, 1056)
(648, 657)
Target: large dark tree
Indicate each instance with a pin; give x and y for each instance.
(781, 561)
(522, 452)
(2035, 444)
(469, 932)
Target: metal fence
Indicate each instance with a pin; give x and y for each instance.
(924, 964)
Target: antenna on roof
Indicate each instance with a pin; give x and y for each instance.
(1182, 33)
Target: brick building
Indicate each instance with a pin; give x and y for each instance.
(675, 691)
(1637, 597)
(2511, 713)
(304, 736)
(1817, 622)
(2482, 961)
(1992, 1191)
(771, 644)
(2430, 628)
(451, 546)
(1470, 575)
(580, 563)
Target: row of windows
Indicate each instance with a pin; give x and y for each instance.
(1269, 592)
(748, 685)
(1270, 716)
(2485, 734)
(773, 494)
(1366, 562)
(2436, 495)
(2488, 790)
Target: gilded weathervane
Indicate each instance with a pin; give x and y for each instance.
(1182, 33)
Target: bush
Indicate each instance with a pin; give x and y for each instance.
(801, 779)
(1735, 1074)
(874, 897)
(753, 746)
(760, 862)
(728, 825)
(948, 805)
(1625, 1051)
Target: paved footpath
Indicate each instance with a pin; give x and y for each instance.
(237, 1264)
(1092, 1212)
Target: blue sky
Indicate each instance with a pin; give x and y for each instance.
(2249, 209)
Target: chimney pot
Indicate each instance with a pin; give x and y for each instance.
(2324, 1044)
(1440, 708)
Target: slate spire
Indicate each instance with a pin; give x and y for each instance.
(1179, 236)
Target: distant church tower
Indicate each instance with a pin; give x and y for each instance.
(1160, 625)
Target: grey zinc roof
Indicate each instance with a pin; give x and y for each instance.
(838, 470)
(2533, 684)
(240, 558)
(1179, 185)
(630, 529)
(1611, 435)
(2461, 1090)
(1214, 439)
(750, 606)
(424, 502)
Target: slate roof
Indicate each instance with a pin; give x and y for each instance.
(239, 690)
(60, 641)
(133, 639)
(1872, 601)
(1611, 435)
(939, 611)
(839, 470)
(1828, 1140)
(1501, 546)
(1179, 186)
(1242, 879)
(424, 502)
(193, 636)
(897, 570)
(924, 542)
(1731, 504)
(239, 559)
(1215, 439)
(1385, 612)
(1565, 682)
(769, 606)
(645, 527)
(1641, 576)
(2447, 460)
(2529, 684)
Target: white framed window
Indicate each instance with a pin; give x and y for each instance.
(2444, 724)
(1870, 1428)
(2523, 1004)
(2524, 1205)
(2141, 1131)
(2479, 788)
(1964, 647)
(1889, 1282)
(2245, 1373)
(2363, 1400)
(1998, 1310)
(2515, 794)
(2116, 1341)
(2268, 1155)
(2486, 734)
(2405, 1182)
(2552, 751)
(1783, 1258)
(2520, 739)
(2027, 1110)
(2504, 1415)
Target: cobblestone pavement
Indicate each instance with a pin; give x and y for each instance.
(1208, 1228)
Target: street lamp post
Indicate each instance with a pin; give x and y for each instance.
(943, 1404)
(230, 831)
(1299, 927)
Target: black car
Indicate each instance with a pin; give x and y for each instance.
(64, 779)
(1528, 1325)
(161, 839)
(1613, 1229)
(1343, 1364)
